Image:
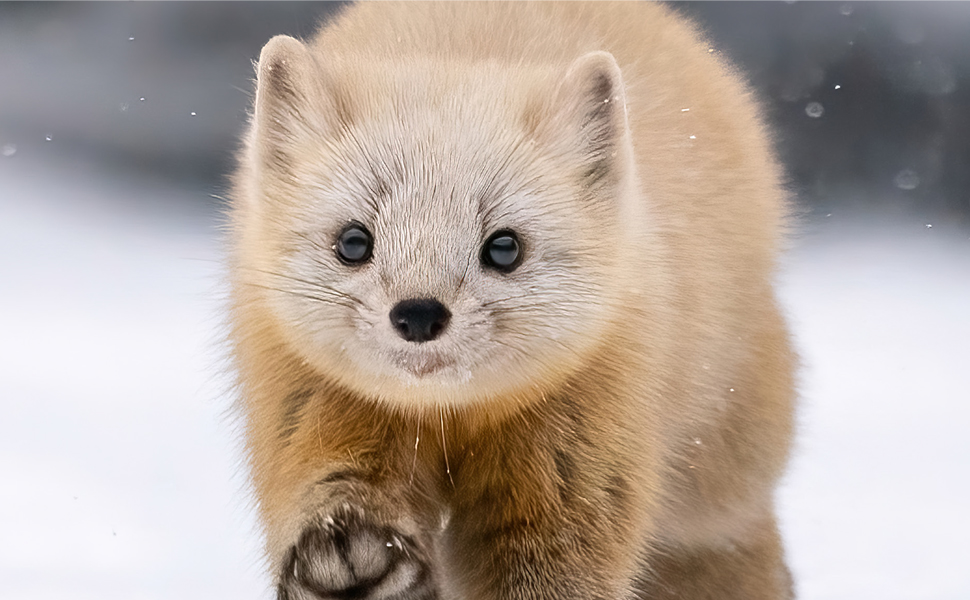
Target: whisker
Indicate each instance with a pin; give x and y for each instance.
(316, 245)
(414, 463)
(505, 299)
(444, 447)
(464, 274)
(589, 300)
(316, 286)
(336, 301)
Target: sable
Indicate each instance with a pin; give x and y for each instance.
(502, 309)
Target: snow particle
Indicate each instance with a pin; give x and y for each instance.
(48, 137)
(846, 10)
(684, 109)
(192, 113)
(8, 149)
(693, 137)
(814, 109)
(838, 87)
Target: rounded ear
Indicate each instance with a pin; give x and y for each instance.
(293, 100)
(283, 70)
(590, 115)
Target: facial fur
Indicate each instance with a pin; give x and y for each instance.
(430, 196)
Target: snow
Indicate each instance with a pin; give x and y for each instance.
(875, 504)
(121, 473)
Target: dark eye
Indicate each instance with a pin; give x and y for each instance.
(354, 244)
(502, 251)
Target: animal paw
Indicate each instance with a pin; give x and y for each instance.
(345, 557)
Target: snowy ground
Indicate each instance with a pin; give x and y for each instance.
(120, 477)
(877, 502)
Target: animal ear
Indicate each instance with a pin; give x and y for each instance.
(292, 100)
(590, 116)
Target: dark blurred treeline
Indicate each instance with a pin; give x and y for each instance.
(870, 101)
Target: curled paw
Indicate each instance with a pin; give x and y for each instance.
(345, 556)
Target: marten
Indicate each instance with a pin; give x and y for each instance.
(502, 309)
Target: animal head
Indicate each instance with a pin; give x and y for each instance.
(432, 233)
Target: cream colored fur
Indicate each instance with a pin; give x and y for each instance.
(606, 421)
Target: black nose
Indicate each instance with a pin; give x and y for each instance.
(419, 319)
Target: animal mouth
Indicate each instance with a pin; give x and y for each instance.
(422, 366)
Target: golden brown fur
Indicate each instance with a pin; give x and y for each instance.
(628, 441)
